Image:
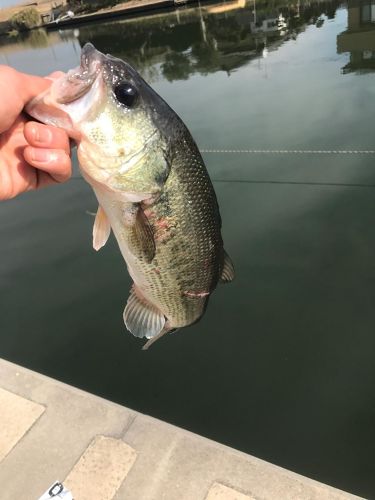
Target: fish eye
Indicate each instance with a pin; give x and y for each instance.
(126, 94)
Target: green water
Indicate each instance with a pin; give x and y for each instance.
(282, 364)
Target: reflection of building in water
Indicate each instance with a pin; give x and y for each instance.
(268, 24)
(359, 38)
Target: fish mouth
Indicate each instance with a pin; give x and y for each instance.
(78, 81)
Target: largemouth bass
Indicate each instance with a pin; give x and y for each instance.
(152, 186)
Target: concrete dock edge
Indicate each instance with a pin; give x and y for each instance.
(52, 431)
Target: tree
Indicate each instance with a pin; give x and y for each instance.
(25, 19)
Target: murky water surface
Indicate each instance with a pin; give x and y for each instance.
(282, 364)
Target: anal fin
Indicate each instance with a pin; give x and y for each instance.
(141, 318)
(227, 274)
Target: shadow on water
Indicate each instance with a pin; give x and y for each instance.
(281, 365)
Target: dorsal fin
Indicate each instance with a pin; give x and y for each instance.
(227, 274)
(141, 318)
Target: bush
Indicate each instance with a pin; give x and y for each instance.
(26, 19)
(89, 6)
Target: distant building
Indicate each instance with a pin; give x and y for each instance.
(58, 8)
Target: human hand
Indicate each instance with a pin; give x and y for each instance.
(32, 155)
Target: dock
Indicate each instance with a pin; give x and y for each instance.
(98, 450)
(133, 7)
(128, 8)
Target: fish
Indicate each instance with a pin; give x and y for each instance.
(152, 186)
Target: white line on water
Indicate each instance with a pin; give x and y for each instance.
(291, 151)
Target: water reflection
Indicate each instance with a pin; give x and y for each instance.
(202, 40)
(359, 38)
(206, 39)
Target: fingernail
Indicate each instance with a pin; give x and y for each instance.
(42, 155)
(42, 134)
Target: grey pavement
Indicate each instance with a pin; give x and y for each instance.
(103, 451)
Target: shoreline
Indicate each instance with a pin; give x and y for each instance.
(132, 7)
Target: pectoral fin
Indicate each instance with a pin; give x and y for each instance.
(227, 274)
(139, 234)
(141, 318)
(101, 229)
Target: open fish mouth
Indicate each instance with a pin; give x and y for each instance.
(78, 81)
(73, 95)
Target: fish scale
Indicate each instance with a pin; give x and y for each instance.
(192, 257)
